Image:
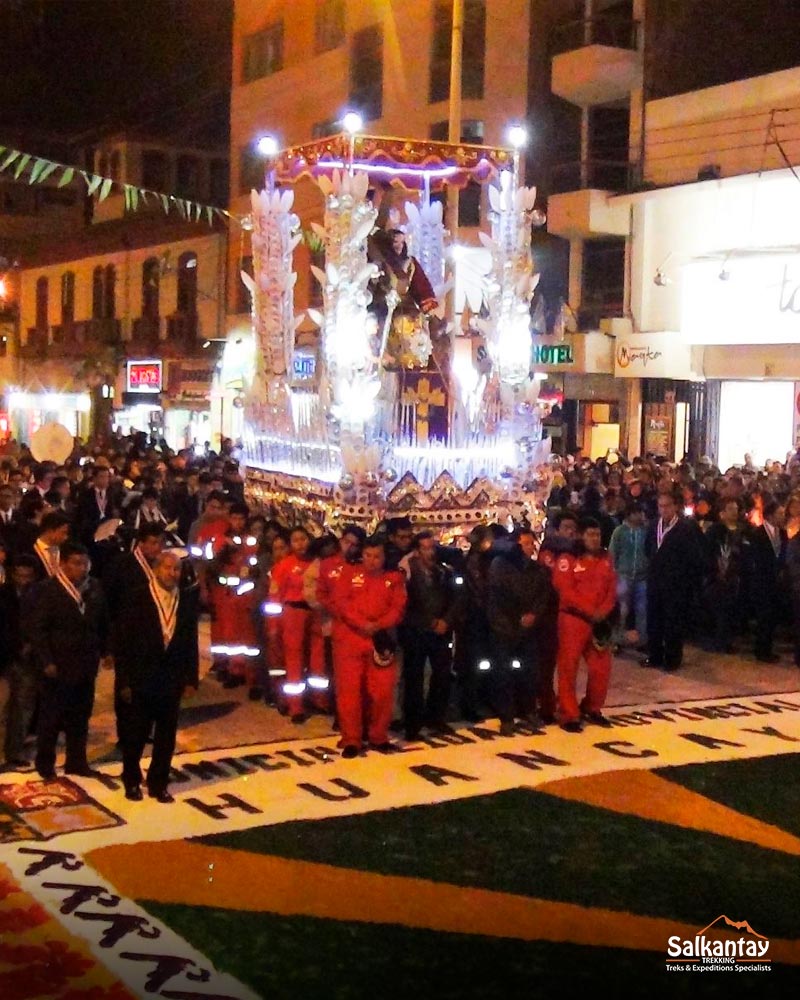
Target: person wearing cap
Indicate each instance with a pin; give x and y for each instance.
(587, 592)
(368, 604)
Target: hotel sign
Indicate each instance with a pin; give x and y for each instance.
(553, 354)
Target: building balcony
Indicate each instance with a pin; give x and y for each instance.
(581, 212)
(104, 331)
(146, 336)
(596, 61)
(182, 333)
(36, 345)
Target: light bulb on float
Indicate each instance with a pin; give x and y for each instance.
(352, 123)
(267, 146)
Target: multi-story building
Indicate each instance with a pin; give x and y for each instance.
(121, 319)
(298, 67)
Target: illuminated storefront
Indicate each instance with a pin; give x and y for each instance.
(715, 292)
(28, 411)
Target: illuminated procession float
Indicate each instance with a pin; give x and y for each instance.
(387, 409)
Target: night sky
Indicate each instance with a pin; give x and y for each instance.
(80, 69)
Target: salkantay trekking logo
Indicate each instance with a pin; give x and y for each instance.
(716, 949)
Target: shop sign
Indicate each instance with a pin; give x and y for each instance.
(304, 366)
(750, 300)
(144, 376)
(653, 355)
(553, 354)
(190, 380)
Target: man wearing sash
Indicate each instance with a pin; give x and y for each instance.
(53, 532)
(154, 641)
(68, 632)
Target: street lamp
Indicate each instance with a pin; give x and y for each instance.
(267, 146)
(353, 123)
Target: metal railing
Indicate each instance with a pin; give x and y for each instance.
(604, 175)
(615, 31)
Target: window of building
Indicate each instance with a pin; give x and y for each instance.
(42, 295)
(67, 297)
(155, 170)
(251, 170)
(329, 25)
(319, 130)
(219, 182)
(262, 53)
(469, 205)
(471, 131)
(151, 279)
(98, 293)
(242, 294)
(110, 292)
(187, 283)
(474, 50)
(366, 72)
(187, 180)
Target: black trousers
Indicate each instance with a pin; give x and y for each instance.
(63, 708)
(514, 679)
(668, 612)
(418, 648)
(766, 611)
(474, 645)
(146, 710)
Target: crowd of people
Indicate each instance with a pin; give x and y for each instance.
(112, 557)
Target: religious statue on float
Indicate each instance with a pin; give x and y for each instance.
(403, 304)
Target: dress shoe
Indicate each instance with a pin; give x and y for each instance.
(162, 796)
(598, 719)
(507, 728)
(473, 717)
(547, 718)
(47, 775)
(572, 727)
(134, 793)
(654, 664)
(350, 751)
(386, 747)
(440, 729)
(298, 718)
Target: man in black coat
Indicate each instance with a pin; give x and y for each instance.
(676, 561)
(520, 598)
(426, 635)
(68, 630)
(155, 649)
(15, 660)
(766, 558)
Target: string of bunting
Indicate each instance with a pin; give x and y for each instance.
(40, 168)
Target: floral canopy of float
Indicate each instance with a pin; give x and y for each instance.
(393, 411)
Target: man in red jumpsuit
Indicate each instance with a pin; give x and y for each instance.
(587, 590)
(302, 644)
(366, 600)
(232, 589)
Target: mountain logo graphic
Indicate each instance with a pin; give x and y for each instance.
(724, 943)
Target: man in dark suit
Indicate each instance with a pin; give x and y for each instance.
(98, 502)
(53, 533)
(7, 517)
(766, 555)
(152, 672)
(676, 560)
(15, 660)
(68, 629)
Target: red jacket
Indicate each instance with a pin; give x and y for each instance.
(287, 579)
(586, 583)
(330, 571)
(363, 599)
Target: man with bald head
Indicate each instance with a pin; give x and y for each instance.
(154, 643)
